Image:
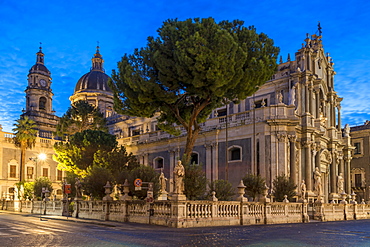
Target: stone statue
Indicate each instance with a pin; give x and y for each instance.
(280, 97)
(303, 190)
(78, 188)
(162, 182)
(347, 129)
(318, 183)
(340, 183)
(179, 174)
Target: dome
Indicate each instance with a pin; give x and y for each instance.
(94, 80)
(39, 67)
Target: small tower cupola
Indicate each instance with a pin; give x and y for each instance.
(40, 56)
(97, 61)
(39, 67)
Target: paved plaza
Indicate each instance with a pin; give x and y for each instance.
(28, 230)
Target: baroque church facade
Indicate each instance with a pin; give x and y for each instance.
(291, 126)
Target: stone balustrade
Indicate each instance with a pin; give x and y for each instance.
(183, 214)
(280, 111)
(335, 212)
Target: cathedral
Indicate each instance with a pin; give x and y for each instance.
(291, 126)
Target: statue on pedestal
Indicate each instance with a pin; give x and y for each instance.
(162, 192)
(347, 129)
(179, 174)
(303, 190)
(162, 182)
(340, 183)
(318, 183)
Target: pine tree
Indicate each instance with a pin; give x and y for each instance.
(193, 67)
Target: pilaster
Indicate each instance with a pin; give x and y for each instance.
(293, 167)
(308, 168)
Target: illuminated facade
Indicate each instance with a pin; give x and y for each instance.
(290, 126)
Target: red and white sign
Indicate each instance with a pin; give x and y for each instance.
(67, 189)
(138, 182)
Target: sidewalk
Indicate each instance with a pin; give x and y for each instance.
(64, 218)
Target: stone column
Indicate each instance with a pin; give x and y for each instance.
(317, 157)
(347, 174)
(333, 114)
(281, 155)
(333, 175)
(209, 161)
(317, 94)
(339, 118)
(308, 168)
(215, 160)
(314, 153)
(293, 167)
(172, 165)
(311, 98)
(307, 98)
(340, 163)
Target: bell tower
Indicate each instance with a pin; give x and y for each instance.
(39, 97)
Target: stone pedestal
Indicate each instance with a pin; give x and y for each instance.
(334, 197)
(178, 197)
(178, 213)
(163, 196)
(126, 191)
(310, 196)
(65, 211)
(107, 196)
(241, 192)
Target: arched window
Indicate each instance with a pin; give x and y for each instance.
(235, 153)
(158, 163)
(194, 158)
(42, 103)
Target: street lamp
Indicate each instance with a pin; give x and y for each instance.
(40, 156)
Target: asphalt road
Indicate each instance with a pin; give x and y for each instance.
(29, 230)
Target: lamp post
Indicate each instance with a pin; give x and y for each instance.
(45, 191)
(40, 156)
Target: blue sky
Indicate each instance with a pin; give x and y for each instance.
(69, 31)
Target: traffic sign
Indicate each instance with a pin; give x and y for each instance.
(138, 182)
(67, 189)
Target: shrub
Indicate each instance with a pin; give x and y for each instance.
(224, 190)
(254, 185)
(283, 186)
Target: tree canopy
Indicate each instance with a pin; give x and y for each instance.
(191, 68)
(79, 117)
(78, 154)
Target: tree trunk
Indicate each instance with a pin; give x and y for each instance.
(190, 141)
(22, 163)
